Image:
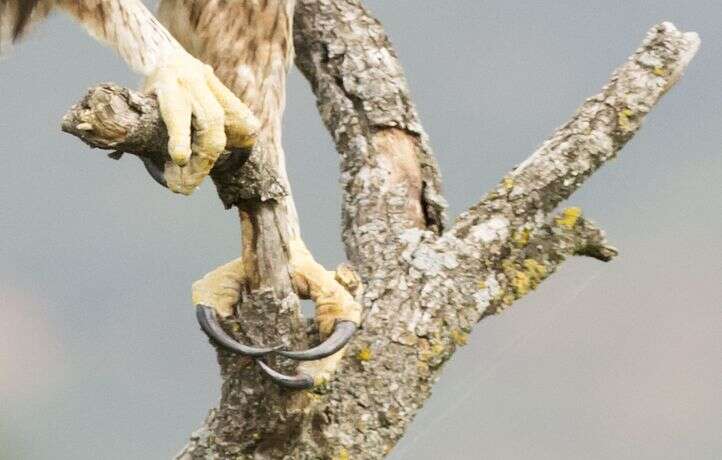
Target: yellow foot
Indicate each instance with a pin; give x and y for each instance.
(216, 294)
(337, 314)
(189, 92)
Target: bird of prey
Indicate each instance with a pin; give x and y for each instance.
(218, 67)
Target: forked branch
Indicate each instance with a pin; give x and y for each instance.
(424, 290)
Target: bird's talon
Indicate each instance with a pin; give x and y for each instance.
(299, 381)
(208, 321)
(337, 314)
(342, 333)
(155, 172)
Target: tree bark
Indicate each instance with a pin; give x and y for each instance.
(423, 288)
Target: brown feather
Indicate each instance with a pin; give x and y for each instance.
(24, 10)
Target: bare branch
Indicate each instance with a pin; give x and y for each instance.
(598, 130)
(538, 252)
(390, 178)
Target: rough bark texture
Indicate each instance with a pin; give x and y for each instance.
(423, 289)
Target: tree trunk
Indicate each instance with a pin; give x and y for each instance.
(423, 288)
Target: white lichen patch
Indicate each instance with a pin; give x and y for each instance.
(496, 228)
(427, 261)
(483, 297)
(411, 239)
(450, 261)
(650, 60)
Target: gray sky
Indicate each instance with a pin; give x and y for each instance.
(100, 356)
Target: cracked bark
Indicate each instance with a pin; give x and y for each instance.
(424, 289)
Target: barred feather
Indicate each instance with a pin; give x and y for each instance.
(16, 17)
(25, 10)
(249, 43)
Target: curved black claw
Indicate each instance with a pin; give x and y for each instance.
(342, 333)
(299, 382)
(209, 323)
(154, 170)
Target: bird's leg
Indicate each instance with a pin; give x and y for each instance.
(215, 295)
(337, 316)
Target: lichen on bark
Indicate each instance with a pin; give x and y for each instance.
(424, 288)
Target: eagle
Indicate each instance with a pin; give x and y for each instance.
(218, 68)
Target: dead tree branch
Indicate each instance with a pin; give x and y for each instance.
(424, 289)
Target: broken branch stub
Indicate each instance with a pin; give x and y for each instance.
(111, 117)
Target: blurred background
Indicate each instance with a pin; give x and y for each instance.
(100, 355)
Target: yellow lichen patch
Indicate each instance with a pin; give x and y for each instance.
(364, 354)
(521, 283)
(623, 119)
(320, 385)
(535, 270)
(521, 237)
(312, 397)
(431, 350)
(342, 454)
(506, 300)
(569, 217)
(508, 265)
(481, 284)
(422, 368)
(659, 71)
(511, 272)
(437, 349)
(508, 183)
(459, 337)
(523, 278)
